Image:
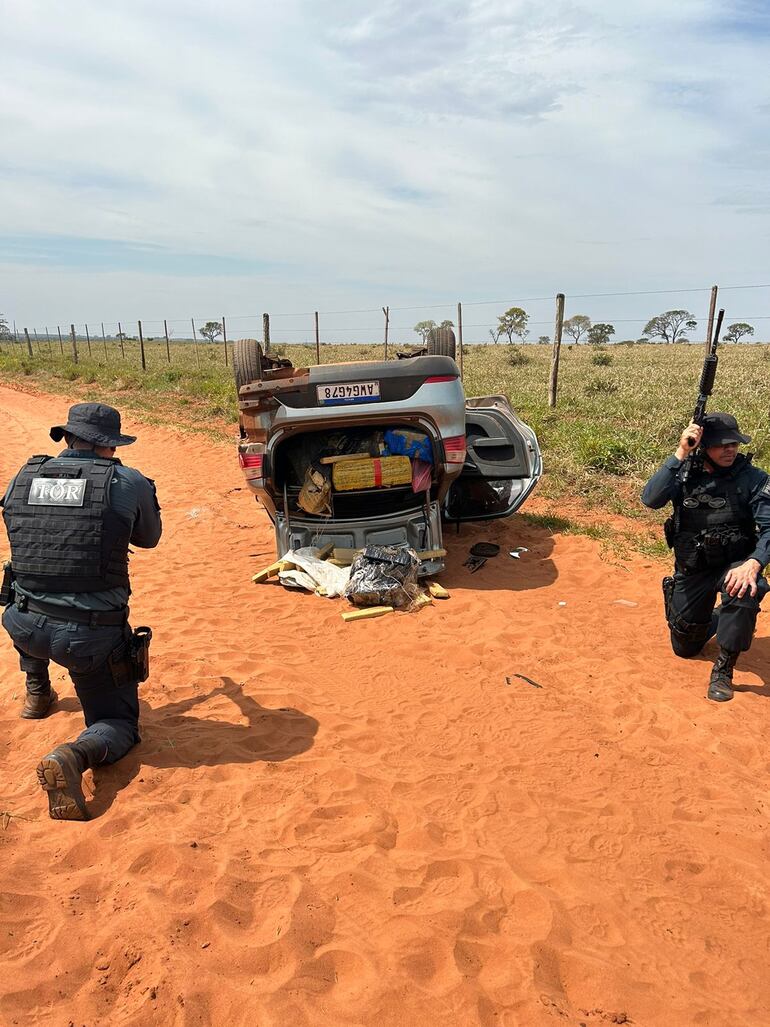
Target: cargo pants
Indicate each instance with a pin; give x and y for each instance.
(690, 598)
(111, 713)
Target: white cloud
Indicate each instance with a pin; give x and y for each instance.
(406, 150)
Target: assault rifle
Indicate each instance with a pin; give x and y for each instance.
(707, 376)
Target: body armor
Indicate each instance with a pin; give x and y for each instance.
(64, 535)
(713, 525)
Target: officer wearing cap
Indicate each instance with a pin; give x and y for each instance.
(720, 534)
(70, 520)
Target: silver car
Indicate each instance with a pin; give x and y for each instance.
(485, 461)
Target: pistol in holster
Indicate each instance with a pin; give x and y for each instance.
(7, 591)
(130, 661)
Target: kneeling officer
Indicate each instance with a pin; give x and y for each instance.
(720, 534)
(70, 520)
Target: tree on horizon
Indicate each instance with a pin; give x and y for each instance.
(514, 322)
(670, 326)
(577, 326)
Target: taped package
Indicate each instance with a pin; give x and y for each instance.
(312, 573)
(315, 494)
(372, 472)
(384, 576)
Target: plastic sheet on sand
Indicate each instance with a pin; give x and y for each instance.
(315, 575)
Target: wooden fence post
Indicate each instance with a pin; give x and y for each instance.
(48, 340)
(88, 340)
(141, 346)
(120, 337)
(61, 341)
(168, 348)
(553, 383)
(224, 337)
(195, 340)
(460, 335)
(104, 340)
(386, 312)
(317, 341)
(712, 311)
(74, 344)
(265, 334)
(29, 344)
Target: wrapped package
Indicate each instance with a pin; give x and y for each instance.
(315, 494)
(371, 472)
(415, 444)
(384, 576)
(311, 572)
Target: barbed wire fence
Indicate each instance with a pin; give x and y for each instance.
(138, 343)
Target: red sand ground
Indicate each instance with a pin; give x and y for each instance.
(339, 824)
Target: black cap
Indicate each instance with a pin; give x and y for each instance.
(96, 423)
(720, 429)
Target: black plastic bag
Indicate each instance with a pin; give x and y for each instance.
(384, 576)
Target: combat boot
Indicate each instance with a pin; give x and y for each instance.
(38, 704)
(721, 683)
(60, 772)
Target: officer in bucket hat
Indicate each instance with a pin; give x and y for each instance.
(70, 520)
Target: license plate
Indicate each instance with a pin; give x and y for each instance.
(352, 392)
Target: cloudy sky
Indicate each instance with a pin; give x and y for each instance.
(183, 159)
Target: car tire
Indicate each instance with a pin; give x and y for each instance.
(247, 362)
(441, 343)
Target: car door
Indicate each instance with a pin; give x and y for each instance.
(502, 463)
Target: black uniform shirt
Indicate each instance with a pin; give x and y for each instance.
(665, 486)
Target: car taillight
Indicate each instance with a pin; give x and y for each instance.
(251, 462)
(454, 448)
(441, 378)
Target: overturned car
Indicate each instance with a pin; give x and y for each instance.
(377, 452)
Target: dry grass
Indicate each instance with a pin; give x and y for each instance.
(615, 420)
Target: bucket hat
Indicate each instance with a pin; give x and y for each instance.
(720, 429)
(96, 423)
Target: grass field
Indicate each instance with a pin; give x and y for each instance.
(620, 411)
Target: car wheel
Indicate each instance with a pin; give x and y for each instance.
(247, 362)
(441, 343)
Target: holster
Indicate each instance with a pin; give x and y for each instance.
(140, 651)
(130, 661)
(684, 630)
(7, 592)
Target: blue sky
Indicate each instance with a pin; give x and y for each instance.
(190, 159)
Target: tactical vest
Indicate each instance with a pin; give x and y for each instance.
(710, 537)
(64, 535)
